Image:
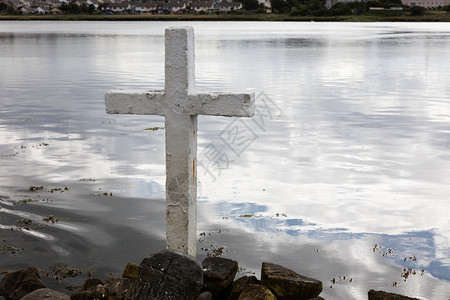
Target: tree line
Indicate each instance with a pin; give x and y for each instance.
(291, 7)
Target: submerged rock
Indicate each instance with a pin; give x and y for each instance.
(169, 275)
(219, 275)
(205, 296)
(18, 284)
(46, 294)
(381, 295)
(286, 284)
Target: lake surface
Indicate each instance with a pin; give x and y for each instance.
(344, 172)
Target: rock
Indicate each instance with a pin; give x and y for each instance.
(18, 284)
(381, 295)
(121, 288)
(205, 296)
(84, 295)
(46, 294)
(91, 283)
(316, 298)
(131, 271)
(286, 284)
(92, 289)
(256, 292)
(239, 285)
(219, 274)
(170, 275)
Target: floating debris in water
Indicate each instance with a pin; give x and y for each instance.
(57, 189)
(213, 249)
(25, 201)
(61, 272)
(52, 219)
(26, 224)
(8, 249)
(35, 188)
(407, 271)
(154, 128)
(387, 252)
(339, 279)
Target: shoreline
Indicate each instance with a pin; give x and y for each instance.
(229, 17)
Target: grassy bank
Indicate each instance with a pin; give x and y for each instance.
(430, 17)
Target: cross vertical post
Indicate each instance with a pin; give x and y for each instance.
(181, 143)
(180, 106)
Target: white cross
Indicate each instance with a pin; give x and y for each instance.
(180, 106)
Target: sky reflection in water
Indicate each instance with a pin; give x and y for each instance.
(354, 155)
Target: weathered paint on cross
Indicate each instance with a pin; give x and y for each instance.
(180, 106)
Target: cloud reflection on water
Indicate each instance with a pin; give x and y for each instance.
(357, 157)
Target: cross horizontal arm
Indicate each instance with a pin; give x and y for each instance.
(135, 102)
(223, 104)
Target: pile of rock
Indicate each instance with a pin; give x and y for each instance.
(172, 275)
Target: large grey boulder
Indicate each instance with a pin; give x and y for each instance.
(169, 275)
(219, 275)
(18, 284)
(286, 284)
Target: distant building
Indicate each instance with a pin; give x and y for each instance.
(116, 8)
(17, 4)
(267, 4)
(55, 11)
(426, 3)
(229, 6)
(144, 8)
(205, 6)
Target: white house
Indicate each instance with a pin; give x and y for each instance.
(199, 6)
(426, 3)
(229, 6)
(116, 8)
(267, 4)
(143, 8)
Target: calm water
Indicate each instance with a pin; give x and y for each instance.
(345, 170)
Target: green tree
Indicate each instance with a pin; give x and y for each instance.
(417, 11)
(10, 10)
(65, 8)
(279, 5)
(316, 5)
(300, 10)
(250, 4)
(91, 9)
(341, 9)
(74, 8)
(84, 8)
(3, 7)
